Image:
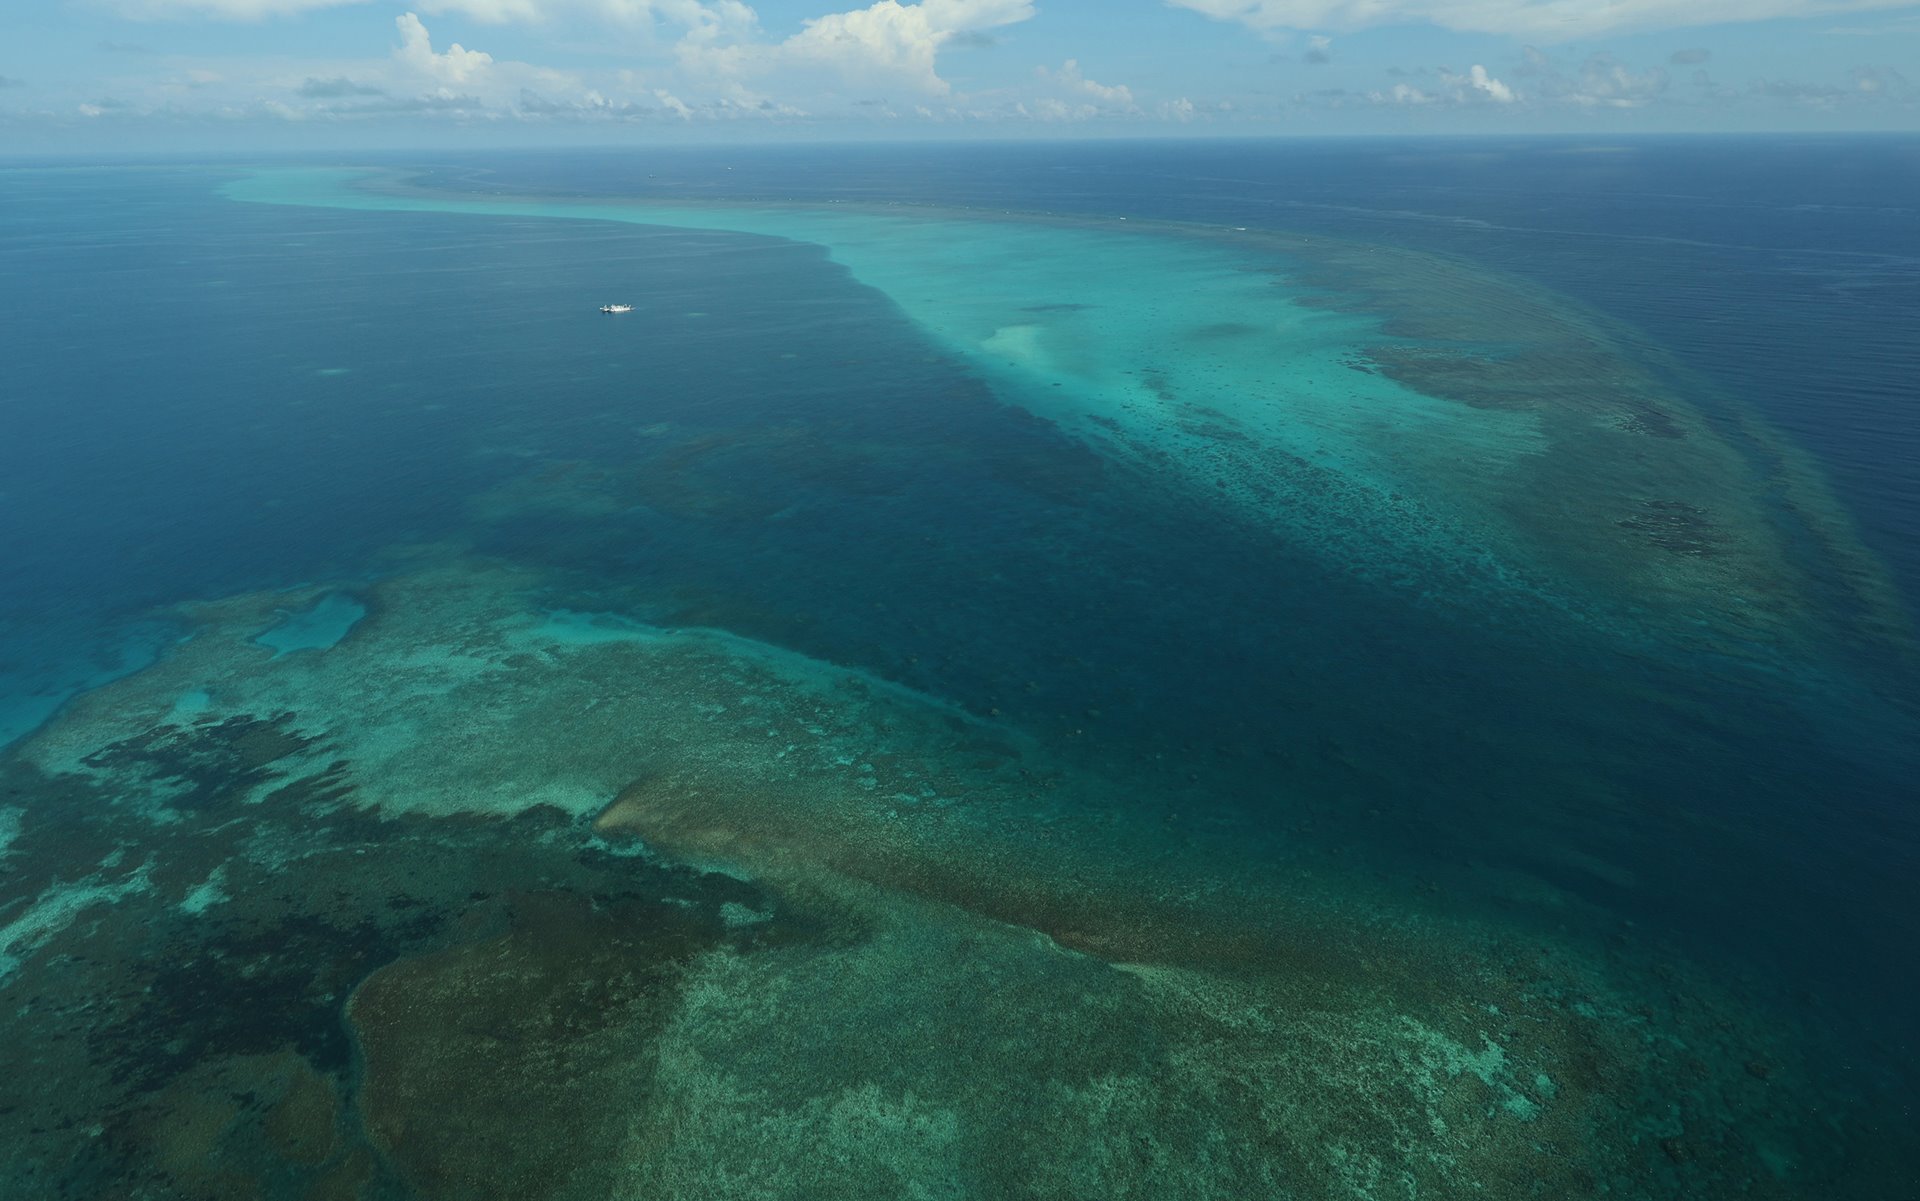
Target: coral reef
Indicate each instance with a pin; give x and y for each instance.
(485, 900)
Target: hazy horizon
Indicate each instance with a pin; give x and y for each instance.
(200, 75)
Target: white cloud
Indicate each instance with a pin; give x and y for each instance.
(1480, 81)
(696, 16)
(692, 14)
(1883, 81)
(1058, 95)
(457, 65)
(1051, 109)
(1071, 80)
(492, 12)
(417, 75)
(1600, 81)
(1477, 86)
(1546, 20)
(233, 10)
(888, 43)
(1402, 94)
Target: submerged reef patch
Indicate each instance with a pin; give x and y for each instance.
(564, 906)
(320, 624)
(558, 1014)
(1494, 444)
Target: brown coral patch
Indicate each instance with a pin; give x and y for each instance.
(1032, 878)
(231, 1127)
(490, 1066)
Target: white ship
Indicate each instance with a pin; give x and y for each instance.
(616, 308)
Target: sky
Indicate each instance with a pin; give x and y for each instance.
(80, 75)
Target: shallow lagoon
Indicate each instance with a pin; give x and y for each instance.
(816, 774)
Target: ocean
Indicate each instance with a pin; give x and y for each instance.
(1351, 669)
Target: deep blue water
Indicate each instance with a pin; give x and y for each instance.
(205, 397)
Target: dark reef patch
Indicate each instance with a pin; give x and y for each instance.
(1221, 330)
(1676, 526)
(1651, 422)
(556, 1015)
(208, 764)
(252, 990)
(204, 1050)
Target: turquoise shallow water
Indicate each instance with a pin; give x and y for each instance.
(1113, 336)
(1159, 632)
(318, 626)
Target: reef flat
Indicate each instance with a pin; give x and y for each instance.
(1467, 439)
(490, 897)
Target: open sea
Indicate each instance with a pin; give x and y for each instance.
(1373, 670)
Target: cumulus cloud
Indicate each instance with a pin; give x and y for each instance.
(590, 106)
(1071, 80)
(895, 39)
(1399, 93)
(1598, 81)
(1545, 20)
(1605, 82)
(1688, 58)
(1055, 95)
(1477, 86)
(1319, 51)
(887, 43)
(1479, 81)
(1071, 96)
(1883, 81)
(457, 65)
(415, 78)
(1050, 108)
